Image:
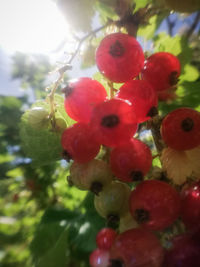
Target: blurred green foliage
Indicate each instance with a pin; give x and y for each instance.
(43, 221)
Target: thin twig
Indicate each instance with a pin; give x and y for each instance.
(82, 40)
(170, 25)
(193, 26)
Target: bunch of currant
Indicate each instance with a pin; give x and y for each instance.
(109, 161)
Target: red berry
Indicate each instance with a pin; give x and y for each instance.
(105, 238)
(184, 252)
(181, 129)
(81, 96)
(131, 161)
(142, 96)
(136, 247)
(79, 144)
(119, 57)
(113, 122)
(99, 258)
(190, 211)
(161, 70)
(154, 204)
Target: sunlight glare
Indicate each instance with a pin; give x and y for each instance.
(32, 26)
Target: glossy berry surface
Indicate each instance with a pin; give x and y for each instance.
(183, 253)
(190, 208)
(113, 122)
(105, 238)
(142, 96)
(181, 129)
(161, 70)
(136, 247)
(79, 144)
(81, 96)
(119, 57)
(154, 204)
(131, 161)
(99, 258)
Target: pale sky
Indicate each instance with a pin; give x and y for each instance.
(32, 26)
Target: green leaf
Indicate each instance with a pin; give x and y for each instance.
(148, 31)
(176, 45)
(190, 73)
(140, 3)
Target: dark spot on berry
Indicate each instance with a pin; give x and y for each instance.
(66, 156)
(187, 124)
(141, 215)
(116, 263)
(136, 176)
(113, 221)
(173, 78)
(67, 90)
(152, 112)
(110, 121)
(96, 188)
(116, 49)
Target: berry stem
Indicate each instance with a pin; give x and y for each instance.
(112, 90)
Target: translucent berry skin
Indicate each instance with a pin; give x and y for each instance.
(181, 129)
(136, 247)
(119, 57)
(142, 96)
(183, 253)
(99, 258)
(113, 200)
(154, 204)
(79, 144)
(81, 96)
(105, 238)
(190, 206)
(92, 175)
(131, 161)
(113, 122)
(161, 70)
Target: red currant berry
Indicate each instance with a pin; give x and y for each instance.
(183, 253)
(161, 70)
(142, 96)
(81, 96)
(105, 238)
(114, 122)
(154, 204)
(131, 161)
(181, 129)
(119, 57)
(79, 144)
(99, 258)
(134, 248)
(190, 210)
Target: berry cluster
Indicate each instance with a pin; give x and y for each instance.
(109, 161)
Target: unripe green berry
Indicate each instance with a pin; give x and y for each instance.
(93, 175)
(113, 200)
(38, 118)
